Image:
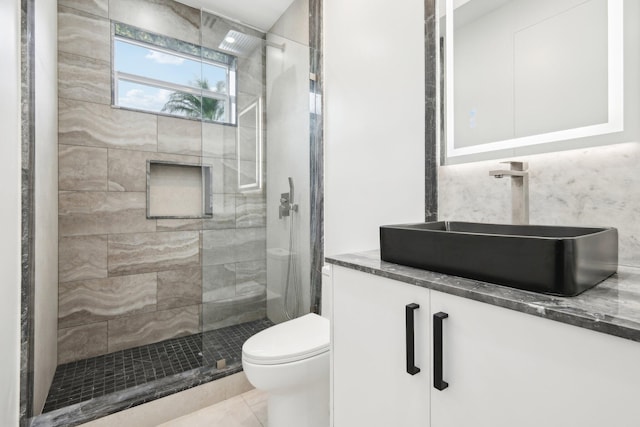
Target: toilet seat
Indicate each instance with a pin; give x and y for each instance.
(291, 341)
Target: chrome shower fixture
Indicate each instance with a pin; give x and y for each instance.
(286, 202)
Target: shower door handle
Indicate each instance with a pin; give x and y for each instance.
(412, 369)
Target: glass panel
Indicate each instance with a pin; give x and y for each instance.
(157, 64)
(152, 98)
(133, 33)
(214, 110)
(215, 77)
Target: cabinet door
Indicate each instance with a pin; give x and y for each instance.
(371, 386)
(506, 369)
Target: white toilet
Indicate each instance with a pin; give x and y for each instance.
(290, 361)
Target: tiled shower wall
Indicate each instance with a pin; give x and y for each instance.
(125, 280)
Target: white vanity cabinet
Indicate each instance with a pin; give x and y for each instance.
(371, 386)
(504, 368)
(510, 369)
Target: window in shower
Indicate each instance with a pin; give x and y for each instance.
(163, 75)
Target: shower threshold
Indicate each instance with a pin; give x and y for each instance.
(108, 383)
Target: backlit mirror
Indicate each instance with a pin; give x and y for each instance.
(530, 76)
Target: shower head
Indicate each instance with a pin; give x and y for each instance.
(240, 44)
(291, 189)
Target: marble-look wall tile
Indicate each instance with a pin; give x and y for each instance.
(224, 175)
(85, 213)
(84, 79)
(482, 198)
(231, 246)
(83, 34)
(247, 139)
(224, 213)
(165, 17)
(251, 210)
(587, 187)
(251, 244)
(235, 310)
(178, 224)
(218, 282)
(230, 134)
(178, 288)
(248, 173)
(94, 7)
(147, 252)
(250, 81)
(90, 301)
(82, 168)
(81, 342)
(153, 327)
(82, 258)
(251, 278)
(218, 247)
(218, 141)
(179, 136)
(128, 169)
(97, 125)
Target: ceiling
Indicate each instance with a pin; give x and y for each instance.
(261, 14)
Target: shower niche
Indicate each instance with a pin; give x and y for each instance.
(178, 190)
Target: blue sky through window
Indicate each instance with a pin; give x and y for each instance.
(142, 61)
(159, 65)
(142, 97)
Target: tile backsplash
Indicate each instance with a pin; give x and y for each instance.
(597, 186)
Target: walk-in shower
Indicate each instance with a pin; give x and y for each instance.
(179, 132)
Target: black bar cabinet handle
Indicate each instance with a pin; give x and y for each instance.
(438, 382)
(412, 369)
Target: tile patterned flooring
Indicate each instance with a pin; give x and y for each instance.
(246, 410)
(86, 379)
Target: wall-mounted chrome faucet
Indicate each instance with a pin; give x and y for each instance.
(519, 190)
(286, 202)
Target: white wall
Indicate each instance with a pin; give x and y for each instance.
(46, 200)
(374, 119)
(10, 212)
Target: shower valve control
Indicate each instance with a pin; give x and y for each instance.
(286, 206)
(283, 209)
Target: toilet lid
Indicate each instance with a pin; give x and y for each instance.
(289, 341)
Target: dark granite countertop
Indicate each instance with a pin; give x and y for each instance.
(612, 307)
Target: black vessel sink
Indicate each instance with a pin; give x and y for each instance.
(553, 260)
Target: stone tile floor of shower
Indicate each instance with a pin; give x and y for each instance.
(86, 379)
